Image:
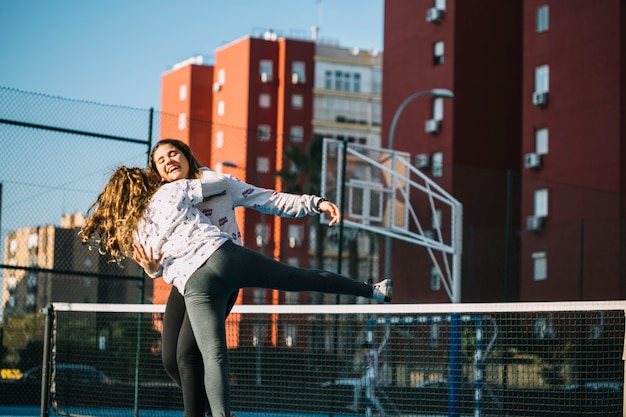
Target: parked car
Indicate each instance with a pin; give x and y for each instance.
(75, 384)
(71, 374)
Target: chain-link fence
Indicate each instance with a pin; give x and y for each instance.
(58, 154)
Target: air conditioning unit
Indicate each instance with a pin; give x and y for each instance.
(434, 15)
(534, 223)
(217, 87)
(432, 126)
(540, 99)
(532, 161)
(422, 161)
(297, 78)
(266, 77)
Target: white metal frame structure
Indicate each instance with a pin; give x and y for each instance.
(366, 176)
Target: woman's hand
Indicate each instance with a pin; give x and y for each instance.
(332, 210)
(147, 260)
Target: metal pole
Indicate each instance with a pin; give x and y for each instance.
(435, 92)
(47, 361)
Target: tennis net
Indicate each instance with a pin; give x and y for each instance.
(513, 359)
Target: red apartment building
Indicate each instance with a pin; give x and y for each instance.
(531, 144)
(238, 116)
(468, 140)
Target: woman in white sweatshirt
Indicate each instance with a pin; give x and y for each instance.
(199, 259)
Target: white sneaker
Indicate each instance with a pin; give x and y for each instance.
(382, 291)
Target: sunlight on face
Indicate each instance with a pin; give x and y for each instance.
(170, 163)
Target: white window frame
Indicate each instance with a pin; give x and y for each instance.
(542, 79)
(221, 108)
(182, 92)
(542, 19)
(540, 202)
(541, 141)
(540, 266)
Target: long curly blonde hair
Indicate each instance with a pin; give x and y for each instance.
(112, 220)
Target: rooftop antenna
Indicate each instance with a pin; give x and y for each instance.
(318, 28)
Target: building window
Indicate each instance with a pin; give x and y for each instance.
(542, 79)
(338, 80)
(265, 100)
(438, 108)
(298, 74)
(328, 80)
(266, 70)
(541, 203)
(219, 139)
(542, 18)
(258, 296)
(296, 134)
(262, 165)
(541, 141)
(292, 297)
(435, 279)
(357, 82)
(436, 219)
(290, 331)
(346, 81)
(13, 246)
(297, 101)
(437, 163)
(434, 335)
(264, 132)
(221, 108)
(32, 241)
(295, 235)
(182, 121)
(540, 266)
(440, 4)
(438, 49)
(182, 92)
(221, 76)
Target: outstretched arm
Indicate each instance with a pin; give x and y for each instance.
(330, 209)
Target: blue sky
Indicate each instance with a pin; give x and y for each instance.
(115, 51)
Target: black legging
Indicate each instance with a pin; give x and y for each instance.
(209, 288)
(181, 357)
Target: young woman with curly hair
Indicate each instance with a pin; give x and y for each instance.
(201, 261)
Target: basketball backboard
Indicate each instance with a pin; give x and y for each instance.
(382, 189)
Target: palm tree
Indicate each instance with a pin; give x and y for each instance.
(304, 176)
